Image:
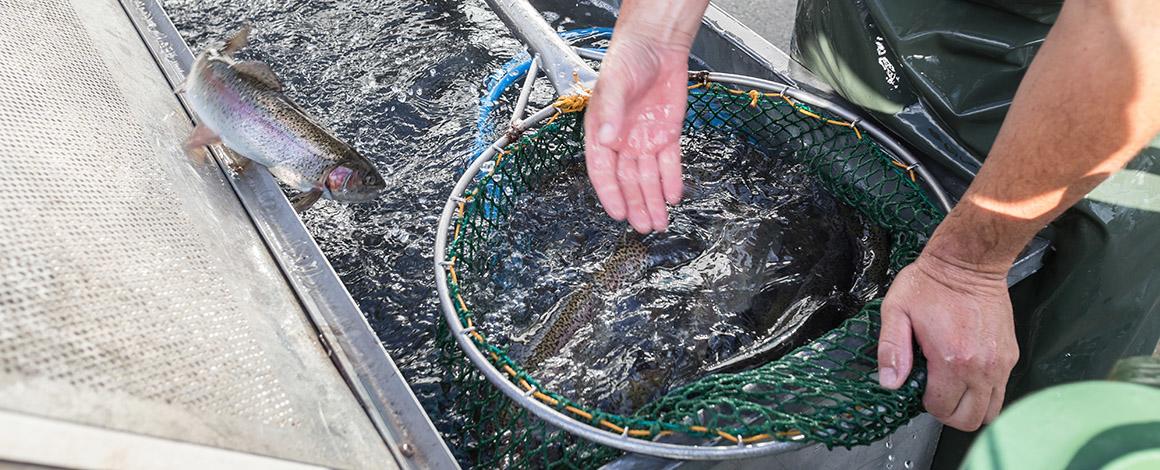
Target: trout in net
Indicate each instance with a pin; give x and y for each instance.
(626, 264)
(758, 260)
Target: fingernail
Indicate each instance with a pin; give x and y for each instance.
(661, 226)
(606, 135)
(639, 219)
(660, 222)
(887, 376)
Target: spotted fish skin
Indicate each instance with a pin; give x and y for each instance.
(626, 265)
(242, 104)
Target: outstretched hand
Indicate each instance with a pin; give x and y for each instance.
(633, 131)
(962, 320)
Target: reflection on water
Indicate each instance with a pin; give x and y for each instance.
(400, 81)
(757, 255)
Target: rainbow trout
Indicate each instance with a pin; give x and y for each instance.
(241, 105)
(578, 308)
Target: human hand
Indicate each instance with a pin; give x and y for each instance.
(633, 130)
(961, 317)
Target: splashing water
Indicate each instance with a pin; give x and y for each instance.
(757, 253)
(400, 82)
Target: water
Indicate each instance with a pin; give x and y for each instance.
(400, 81)
(757, 251)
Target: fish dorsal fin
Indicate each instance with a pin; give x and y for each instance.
(259, 71)
(238, 41)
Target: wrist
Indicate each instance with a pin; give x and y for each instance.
(668, 24)
(978, 240)
(958, 274)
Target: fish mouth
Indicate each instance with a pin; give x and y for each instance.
(345, 184)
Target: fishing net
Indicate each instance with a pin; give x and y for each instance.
(824, 392)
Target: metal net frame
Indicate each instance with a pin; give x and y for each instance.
(824, 392)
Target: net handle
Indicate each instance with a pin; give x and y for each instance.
(569, 74)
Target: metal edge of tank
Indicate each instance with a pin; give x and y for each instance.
(342, 328)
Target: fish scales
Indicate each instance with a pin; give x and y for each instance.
(261, 125)
(241, 104)
(628, 262)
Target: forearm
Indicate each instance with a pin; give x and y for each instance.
(1089, 102)
(670, 23)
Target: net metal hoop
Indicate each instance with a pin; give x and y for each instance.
(564, 421)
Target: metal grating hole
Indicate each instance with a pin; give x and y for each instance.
(103, 283)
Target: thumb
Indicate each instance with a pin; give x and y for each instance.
(895, 350)
(606, 109)
(606, 113)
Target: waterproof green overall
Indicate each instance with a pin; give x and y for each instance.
(941, 74)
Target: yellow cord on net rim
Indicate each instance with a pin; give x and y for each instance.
(755, 95)
(547, 399)
(576, 103)
(908, 168)
(571, 103)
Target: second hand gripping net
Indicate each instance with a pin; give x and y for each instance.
(824, 392)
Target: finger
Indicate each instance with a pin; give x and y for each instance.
(996, 405)
(650, 188)
(971, 410)
(895, 350)
(944, 391)
(604, 120)
(601, 164)
(628, 177)
(669, 162)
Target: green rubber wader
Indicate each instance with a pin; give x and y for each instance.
(941, 74)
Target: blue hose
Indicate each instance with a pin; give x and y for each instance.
(511, 72)
(498, 83)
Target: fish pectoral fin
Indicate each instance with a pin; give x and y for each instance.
(201, 137)
(303, 201)
(238, 41)
(259, 72)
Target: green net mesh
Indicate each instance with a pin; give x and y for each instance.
(823, 392)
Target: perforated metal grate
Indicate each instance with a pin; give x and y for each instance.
(92, 224)
(134, 292)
